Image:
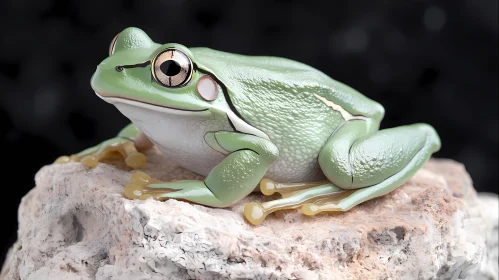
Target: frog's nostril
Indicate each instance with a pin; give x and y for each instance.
(119, 68)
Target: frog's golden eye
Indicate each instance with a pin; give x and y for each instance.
(172, 68)
(113, 44)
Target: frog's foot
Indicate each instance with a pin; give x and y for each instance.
(269, 187)
(109, 149)
(142, 186)
(294, 197)
(330, 202)
(139, 187)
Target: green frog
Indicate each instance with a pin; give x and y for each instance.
(247, 121)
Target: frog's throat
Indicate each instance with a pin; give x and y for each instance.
(149, 106)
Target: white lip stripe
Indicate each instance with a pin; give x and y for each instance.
(114, 100)
(238, 123)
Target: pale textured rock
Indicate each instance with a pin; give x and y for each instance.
(76, 225)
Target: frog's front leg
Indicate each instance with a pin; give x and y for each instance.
(235, 177)
(124, 144)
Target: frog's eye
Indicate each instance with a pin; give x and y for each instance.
(113, 44)
(172, 68)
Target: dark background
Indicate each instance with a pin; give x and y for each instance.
(425, 61)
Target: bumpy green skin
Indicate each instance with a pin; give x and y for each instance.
(301, 135)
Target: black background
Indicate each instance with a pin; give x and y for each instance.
(425, 61)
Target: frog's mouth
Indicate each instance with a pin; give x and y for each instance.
(115, 100)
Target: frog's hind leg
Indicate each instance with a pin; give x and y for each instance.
(372, 165)
(360, 165)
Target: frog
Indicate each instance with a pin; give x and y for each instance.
(246, 122)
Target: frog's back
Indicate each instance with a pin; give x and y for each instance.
(277, 96)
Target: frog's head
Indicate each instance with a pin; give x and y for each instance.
(142, 73)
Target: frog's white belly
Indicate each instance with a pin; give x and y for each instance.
(178, 134)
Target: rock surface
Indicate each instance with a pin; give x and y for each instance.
(76, 225)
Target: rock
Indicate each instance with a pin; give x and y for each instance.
(75, 224)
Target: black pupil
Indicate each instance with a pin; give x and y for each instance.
(170, 68)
